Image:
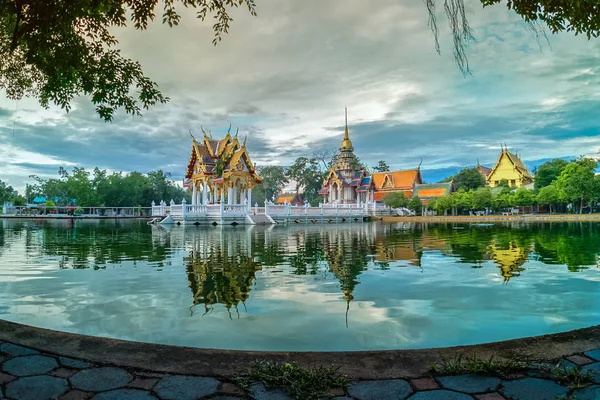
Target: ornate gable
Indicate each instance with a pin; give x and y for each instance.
(388, 182)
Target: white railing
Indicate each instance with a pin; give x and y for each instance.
(277, 210)
(322, 210)
(176, 209)
(213, 209)
(235, 209)
(353, 205)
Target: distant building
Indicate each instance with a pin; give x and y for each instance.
(294, 199)
(428, 191)
(484, 171)
(404, 181)
(511, 169)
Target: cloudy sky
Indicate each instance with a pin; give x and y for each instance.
(285, 76)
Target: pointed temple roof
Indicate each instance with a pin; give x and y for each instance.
(233, 157)
(346, 143)
(395, 181)
(346, 160)
(515, 161)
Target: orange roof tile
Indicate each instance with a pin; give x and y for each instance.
(436, 192)
(378, 196)
(283, 199)
(399, 179)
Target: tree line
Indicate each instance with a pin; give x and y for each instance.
(98, 188)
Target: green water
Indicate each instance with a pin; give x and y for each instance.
(319, 287)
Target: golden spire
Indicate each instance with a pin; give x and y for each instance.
(346, 143)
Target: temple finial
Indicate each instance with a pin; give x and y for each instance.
(478, 162)
(245, 137)
(203, 131)
(192, 135)
(237, 131)
(346, 134)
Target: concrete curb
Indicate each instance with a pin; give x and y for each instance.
(228, 363)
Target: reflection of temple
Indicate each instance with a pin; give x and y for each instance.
(508, 258)
(221, 269)
(347, 253)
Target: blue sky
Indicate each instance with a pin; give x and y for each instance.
(285, 76)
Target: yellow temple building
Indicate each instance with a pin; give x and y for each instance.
(511, 169)
(221, 171)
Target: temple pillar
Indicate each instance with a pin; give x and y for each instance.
(194, 193)
(339, 194)
(229, 195)
(204, 193)
(249, 197)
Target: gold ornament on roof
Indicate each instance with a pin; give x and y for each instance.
(346, 143)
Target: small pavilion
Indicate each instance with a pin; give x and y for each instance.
(221, 171)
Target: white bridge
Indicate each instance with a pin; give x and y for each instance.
(243, 214)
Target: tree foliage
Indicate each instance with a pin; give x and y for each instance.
(381, 166)
(273, 181)
(56, 50)
(467, 179)
(7, 193)
(580, 17)
(549, 195)
(548, 172)
(395, 200)
(102, 189)
(415, 204)
(577, 183)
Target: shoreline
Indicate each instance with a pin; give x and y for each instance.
(494, 218)
(376, 364)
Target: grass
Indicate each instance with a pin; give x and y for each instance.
(572, 377)
(300, 382)
(473, 365)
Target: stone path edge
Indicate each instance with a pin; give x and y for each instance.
(229, 363)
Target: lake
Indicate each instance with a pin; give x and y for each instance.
(362, 286)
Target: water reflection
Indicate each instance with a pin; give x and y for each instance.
(315, 287)
(222, 263)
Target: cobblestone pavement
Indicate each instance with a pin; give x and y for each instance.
(27, 374)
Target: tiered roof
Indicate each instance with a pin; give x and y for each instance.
(395, 181)
(233, 156)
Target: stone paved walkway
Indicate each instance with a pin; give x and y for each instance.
(27, 374)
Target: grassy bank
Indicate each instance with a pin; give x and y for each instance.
(498, 218)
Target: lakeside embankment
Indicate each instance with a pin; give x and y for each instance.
(67, 217)
(497, 218)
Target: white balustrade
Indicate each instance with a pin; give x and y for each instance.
(221, 209)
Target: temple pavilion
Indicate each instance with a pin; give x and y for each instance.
(511, 169)
(221, 171)
(346, 182)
